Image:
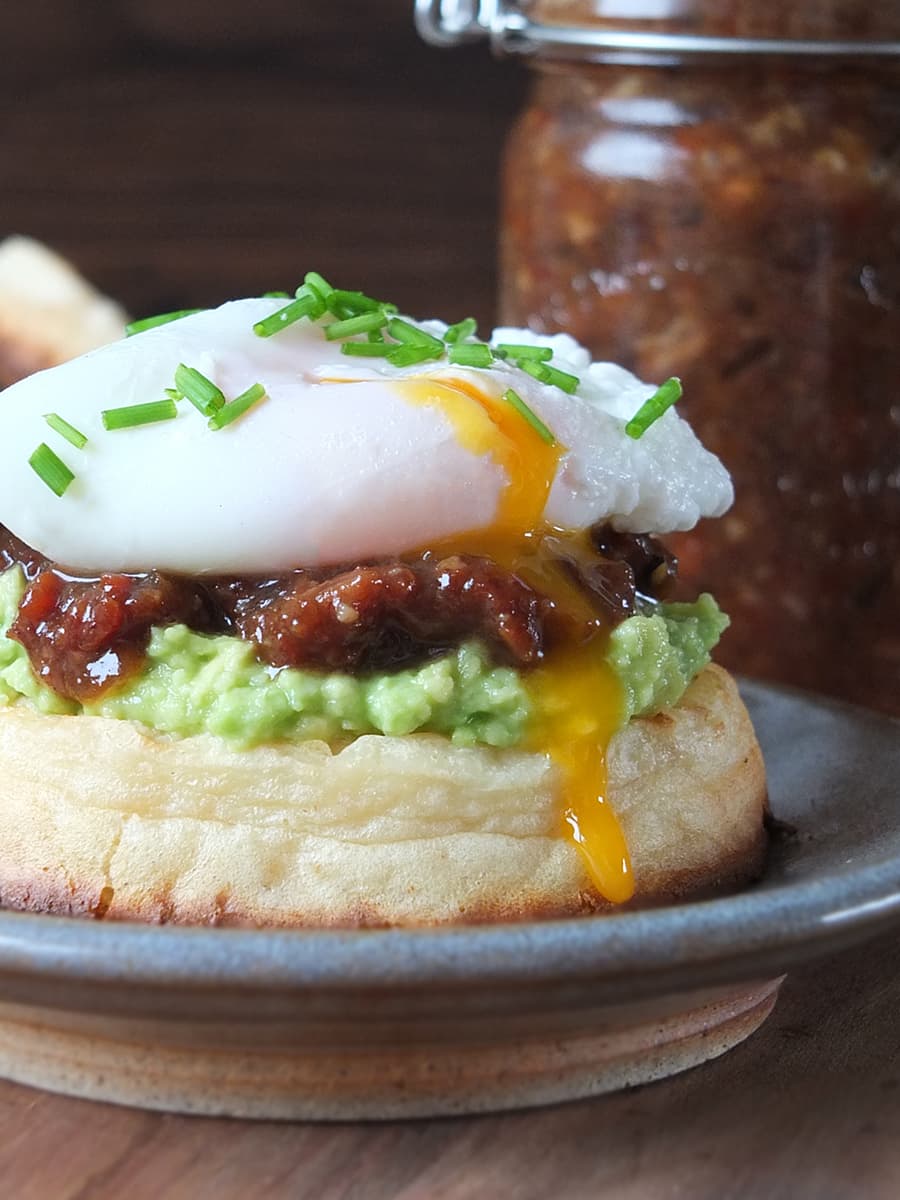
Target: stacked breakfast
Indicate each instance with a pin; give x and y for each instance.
(312, 613)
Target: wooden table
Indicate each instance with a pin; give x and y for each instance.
(808, 1107)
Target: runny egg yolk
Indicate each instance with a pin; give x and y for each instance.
(578, 701)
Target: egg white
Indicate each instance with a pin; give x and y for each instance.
(334, 465)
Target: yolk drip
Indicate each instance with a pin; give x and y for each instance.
(579, 709)
(578, 701)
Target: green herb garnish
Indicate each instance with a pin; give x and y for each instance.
(236, 408)
(379, 349)
(561, 379)
(531, 417)
(551, 375)
(318, 285)
(51, 469)
(471, 354)
(411, 335)
(314, 298)
(358, 314)
(466, 328)
(202, 392)
(653, 408)
(139, 414)
(526, 353)
(69, 432)
(354, 303)
(408, 356)
(366, 322)
(308, 304)
(163, 319)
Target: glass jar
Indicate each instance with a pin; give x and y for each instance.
(714, 192)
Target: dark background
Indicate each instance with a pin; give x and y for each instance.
(181, 153)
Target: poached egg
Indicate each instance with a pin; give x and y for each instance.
(337, 463)
(341, 462)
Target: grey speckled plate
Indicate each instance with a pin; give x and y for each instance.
(402, 1023)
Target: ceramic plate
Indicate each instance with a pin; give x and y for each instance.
(404, 1023)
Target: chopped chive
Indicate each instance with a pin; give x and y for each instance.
(653, 408)
(69, 432)
(546, 374)
(51, 469)
(517, 353)
(236, 408)
(461, 330)
(561, 379)
(537, 370)
(202, 392)
(173, 394)
(276, 295)
(306, 305)
(470, 354)
(343, 312)
(378, 349)
(163, 319)
(364, 323)
(410, 335)
(138, 414)
(144, 323)
(409, 354)
(355, 302)
(531, 417)
(317, 284)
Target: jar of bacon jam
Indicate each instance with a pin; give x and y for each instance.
(711, 188)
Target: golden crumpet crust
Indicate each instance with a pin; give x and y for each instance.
(100, 817)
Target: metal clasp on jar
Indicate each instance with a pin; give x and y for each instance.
(449, 23)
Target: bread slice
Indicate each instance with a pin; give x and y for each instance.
(48, 313)
(102, 817)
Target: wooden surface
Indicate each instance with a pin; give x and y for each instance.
(182, 153)
(808, 1107)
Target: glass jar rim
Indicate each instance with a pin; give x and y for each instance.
(510, 31)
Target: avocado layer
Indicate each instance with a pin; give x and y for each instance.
(656, 655)
(194, 683)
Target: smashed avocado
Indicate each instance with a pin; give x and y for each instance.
(656, 655)
(196, 683)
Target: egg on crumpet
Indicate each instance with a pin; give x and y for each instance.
(315, 614)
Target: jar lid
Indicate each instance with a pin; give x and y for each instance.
(666, 32)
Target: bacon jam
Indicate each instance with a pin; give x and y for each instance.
(735, 221)
(85, 636)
